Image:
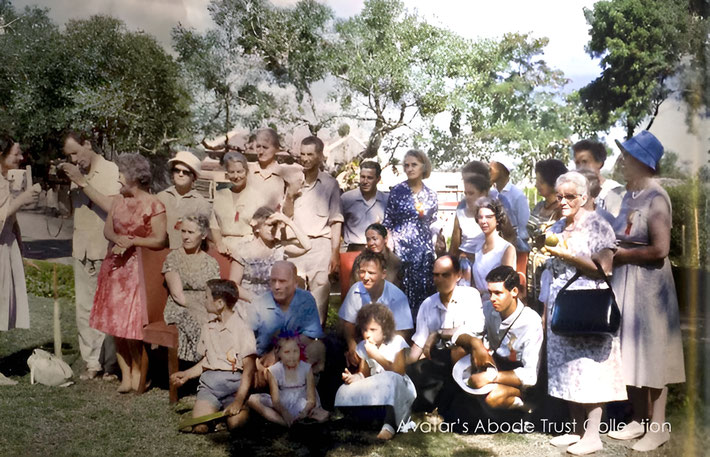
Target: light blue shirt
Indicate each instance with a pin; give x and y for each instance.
(519, 214)
(391, 297)
(359, 214)
(267, 319)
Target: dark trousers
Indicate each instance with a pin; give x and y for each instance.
(433, 381)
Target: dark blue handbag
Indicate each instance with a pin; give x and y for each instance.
(584, 312)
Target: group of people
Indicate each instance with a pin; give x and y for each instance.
(425, 325)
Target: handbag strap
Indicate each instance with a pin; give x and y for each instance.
(578, 274)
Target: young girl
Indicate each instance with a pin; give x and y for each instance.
(292, 387)
(252, 260)
(380, 379)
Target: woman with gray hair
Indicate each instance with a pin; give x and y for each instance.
(136, 219)
(583, 370)
(187, 270)
(233, 207)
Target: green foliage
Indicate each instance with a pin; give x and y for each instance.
(92, 74)
(40, 282)
(689, 201)
(641, 44)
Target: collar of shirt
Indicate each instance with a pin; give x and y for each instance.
(508, 187)
(379, 196)
(384, 298)
(507, 322)
(455, 296)
(271, 169)
(173, 191)
(319, 178)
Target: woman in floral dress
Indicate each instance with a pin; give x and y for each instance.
(411, 210)
(583, 370)
(187, 270)
(136, 219)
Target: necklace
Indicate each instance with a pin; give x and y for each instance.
(635, 193)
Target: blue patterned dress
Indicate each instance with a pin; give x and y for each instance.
(408, 218)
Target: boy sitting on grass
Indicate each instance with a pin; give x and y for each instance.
(227, 368)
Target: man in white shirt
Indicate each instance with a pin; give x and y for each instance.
(95, 180)
(507, 353)
(592, 155)
(363, 206)
(373, 288)
(438, 319)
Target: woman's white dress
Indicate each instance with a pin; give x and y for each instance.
(14, 307)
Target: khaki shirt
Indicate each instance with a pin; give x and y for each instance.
(318, 206)
(89, 241)
(222, 341)
(268, 184)
(179, 206)
(232, 216)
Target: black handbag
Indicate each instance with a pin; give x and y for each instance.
(584, 312)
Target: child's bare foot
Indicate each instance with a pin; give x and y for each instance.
(386, 433)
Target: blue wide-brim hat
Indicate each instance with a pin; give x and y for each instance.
(645, 148)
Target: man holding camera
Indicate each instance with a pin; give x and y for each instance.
(94, 181)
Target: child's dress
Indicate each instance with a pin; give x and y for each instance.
(381, 388)
(293, 395)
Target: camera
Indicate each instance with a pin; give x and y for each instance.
(55, 174)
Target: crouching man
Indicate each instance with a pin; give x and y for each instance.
(504, 359)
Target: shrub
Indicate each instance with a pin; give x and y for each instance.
(40, 283)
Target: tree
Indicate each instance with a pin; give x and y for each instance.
(641, 45)
(393, 68)
(94, 75)
(507, 100)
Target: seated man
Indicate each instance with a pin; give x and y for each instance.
(507, 354)
(227, 366)
(285, 308)
(439, 317)
(373, 288)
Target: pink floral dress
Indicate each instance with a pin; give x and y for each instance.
(119, 303)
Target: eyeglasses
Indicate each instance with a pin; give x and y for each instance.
(182, 171)
(568, 197)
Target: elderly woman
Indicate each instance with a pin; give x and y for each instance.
(584, 370)
(136, 219)
(234, 206)
(651, 345)
(411, 210)
(187, 270)
(14, 309)
(546, 174)
(181, 199)
(252, 260)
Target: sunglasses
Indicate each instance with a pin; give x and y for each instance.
(568, 197)
(182, 171)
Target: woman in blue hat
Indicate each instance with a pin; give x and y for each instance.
(651, 345)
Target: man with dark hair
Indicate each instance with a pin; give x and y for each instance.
(592, 155)
(438, 319)
(316, 210)
(373, 288)
(94, 181)
(363, 206)
(507, 352)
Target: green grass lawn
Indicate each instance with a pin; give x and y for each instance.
(90, 418)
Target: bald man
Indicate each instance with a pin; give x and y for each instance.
(285, 308)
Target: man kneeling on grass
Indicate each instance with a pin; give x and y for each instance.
(228, 365)
(504, 360)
